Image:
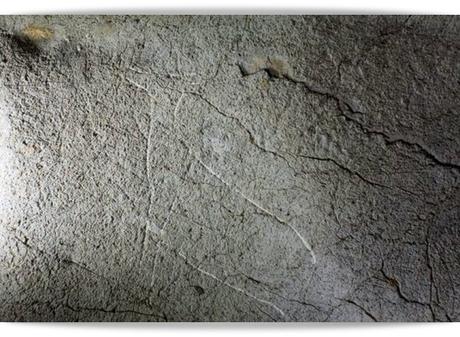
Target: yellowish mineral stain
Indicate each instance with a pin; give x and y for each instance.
(37, 33)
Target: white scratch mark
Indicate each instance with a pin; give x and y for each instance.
(204, 272)
(148, 224)
(177, 105)
(263, 209)
(251, 201)
(152, 226)
(139, 86)
(168, 218)
(154, 274)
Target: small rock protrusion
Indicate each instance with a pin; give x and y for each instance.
(275, 66)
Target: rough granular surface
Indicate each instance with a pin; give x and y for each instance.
(229, 168)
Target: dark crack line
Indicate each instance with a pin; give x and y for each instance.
(363, 309)
(278, 155)
(251, 137)
(346, 169)
(342, 106)
(355, 173)
(266, 287)
(110, 282)
(114, 311)
(389, 140)
(26, 241)
(396, 284)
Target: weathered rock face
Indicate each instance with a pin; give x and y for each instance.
(229, 168)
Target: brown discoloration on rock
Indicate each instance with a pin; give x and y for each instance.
(36, 33)
(392, 282)
(275, 66)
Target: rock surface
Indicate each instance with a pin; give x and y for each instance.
(218, 168)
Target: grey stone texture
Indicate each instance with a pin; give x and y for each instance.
(229, 168)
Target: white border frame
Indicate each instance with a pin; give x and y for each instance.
(229, 7)
(11, 7)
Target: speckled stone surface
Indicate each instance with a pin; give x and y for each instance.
(229, 168)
